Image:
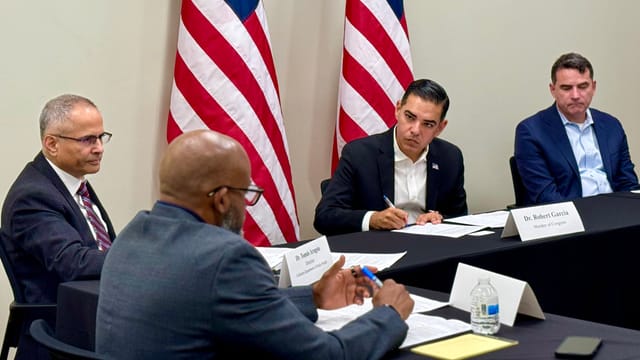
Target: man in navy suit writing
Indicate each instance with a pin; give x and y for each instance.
(570, 150)
(403, 175)
(49, 232)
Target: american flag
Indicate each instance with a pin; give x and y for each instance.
(376, 68)
(225, 80)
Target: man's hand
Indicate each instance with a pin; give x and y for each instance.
(433, 217)
(388, 219)
(395, 295)
(340, 287)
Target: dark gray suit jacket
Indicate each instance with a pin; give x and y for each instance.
(175, 287)
(366, 172)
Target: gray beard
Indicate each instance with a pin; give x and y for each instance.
(231, 222)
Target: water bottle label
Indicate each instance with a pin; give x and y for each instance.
(492, 309)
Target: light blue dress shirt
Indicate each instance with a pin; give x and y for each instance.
(585, 149)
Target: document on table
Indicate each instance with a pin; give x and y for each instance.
(442, 229)
(379, 260)
(422, 327)
(494, 219)
(273, 256)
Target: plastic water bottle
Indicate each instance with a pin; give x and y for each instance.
(485, 310)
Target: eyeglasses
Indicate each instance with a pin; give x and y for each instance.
(89, 140)
(251, 194)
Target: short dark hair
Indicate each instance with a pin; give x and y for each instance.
(428, 90)
(571, 61)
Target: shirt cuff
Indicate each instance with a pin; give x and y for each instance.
(365, 220)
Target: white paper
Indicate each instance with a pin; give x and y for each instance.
(422, 328)
(442, 229)
(273, 255)
(494, 219)
(380, 261)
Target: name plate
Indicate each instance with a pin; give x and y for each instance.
(305, 264)
(514, 296)
(537, 222)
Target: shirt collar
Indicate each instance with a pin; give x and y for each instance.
(71, 182)
(588, 121)
(398, 155)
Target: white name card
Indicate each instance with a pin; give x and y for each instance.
(537, 222)
(305, 264)
(514, 296)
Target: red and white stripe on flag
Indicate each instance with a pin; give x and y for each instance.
(376, 68)
(225, 80)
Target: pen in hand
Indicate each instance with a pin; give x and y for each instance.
(371, 276)
(387, 201)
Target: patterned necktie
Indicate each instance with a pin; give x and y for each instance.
(102, 237)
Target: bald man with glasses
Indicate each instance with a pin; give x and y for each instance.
(54, 228)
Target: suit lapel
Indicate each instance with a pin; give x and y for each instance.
(603, 144)
(40, 163)
(433, 176)
(558, 133)
(386, 165)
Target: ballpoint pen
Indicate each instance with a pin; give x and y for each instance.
(387, 201)
(371, 276)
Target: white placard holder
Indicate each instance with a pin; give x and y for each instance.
(514, 296)
(537, 222)
(305, 264)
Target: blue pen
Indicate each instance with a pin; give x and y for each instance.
(387, 201)
(371, 276)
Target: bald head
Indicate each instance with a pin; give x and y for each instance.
(198, 161)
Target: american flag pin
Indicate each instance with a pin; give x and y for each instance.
(435, 166)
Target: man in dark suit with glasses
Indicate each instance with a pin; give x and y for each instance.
(52, 231)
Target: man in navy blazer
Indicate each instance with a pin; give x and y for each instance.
(403, 175)
(569, 150)
(45, 233)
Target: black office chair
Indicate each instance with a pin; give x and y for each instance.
(519, 190)
(43, 334)
(21, 314)
(323, 185)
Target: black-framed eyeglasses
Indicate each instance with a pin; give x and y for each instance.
(89, 140)
(251, 194)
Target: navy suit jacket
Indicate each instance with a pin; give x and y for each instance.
(47, 238)
(366, 172)
(548, 166)
(176, 287)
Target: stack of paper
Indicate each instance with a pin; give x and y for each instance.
(422, 328)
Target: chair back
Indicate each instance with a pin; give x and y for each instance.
(323, 185)
(18, 294)
(519, 190)
(20, 313)
(43, 334)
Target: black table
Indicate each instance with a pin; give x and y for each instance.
(589, 275)
(77, 305)
(538, 339)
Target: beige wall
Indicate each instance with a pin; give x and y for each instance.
(492, 56)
